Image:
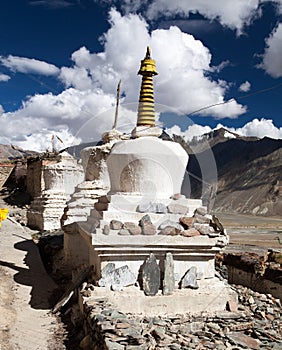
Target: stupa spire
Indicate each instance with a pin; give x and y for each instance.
(146, 107)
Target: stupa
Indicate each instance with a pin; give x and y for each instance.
(51, 179)
(144, 213)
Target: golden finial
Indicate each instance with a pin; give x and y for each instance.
(146, 108)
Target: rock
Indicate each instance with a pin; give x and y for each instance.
(108, 269)
(201, 219)
(186, 221)
(123, 232)
(175, 208)
(149, 229)
(190, 279)
(201, 211)
(85, 342)
(170, 231)
(169, 279)
(161, 208)
(147, 207)
(145, 220)
(113, 345)
(132, 228)
(135, 231)
(115, 225)
(217, 225)
(190, 232)
(117, 278)
(177, 196)
(232, 305)
(244, 340)
(106, 230)
(204, 229)
(171, 224)
(151, 276)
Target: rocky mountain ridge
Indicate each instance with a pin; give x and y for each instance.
(11, 152)
(249, 178)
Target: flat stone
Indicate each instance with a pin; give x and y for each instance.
(124, 232)
(171, 224)
(151, 276)
(186, 221)
(115, 225)
(190, 279)
(190, 232)
(175, 208)
(145, 220)
(170, 231)
(169, 279)
(149, 229)
(244, 340)
(117, 278)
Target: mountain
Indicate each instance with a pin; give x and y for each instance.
(248, 179)
(11, 152)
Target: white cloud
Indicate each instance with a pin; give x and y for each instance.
(256, 127)
(4, 77)
(192, 131)
(260, 128)
(1, 110)
(272, 62)
(183, 84)
(245, 87)
(230, 13)
(28, 65)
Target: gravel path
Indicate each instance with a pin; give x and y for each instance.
(25, 287)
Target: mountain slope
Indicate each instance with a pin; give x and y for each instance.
(249, 178)
(10, 152)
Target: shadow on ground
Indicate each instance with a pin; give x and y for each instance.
(44, 291)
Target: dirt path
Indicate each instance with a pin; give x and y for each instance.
(25, 287)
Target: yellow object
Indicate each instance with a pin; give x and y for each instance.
(3, 215)
(146, 107)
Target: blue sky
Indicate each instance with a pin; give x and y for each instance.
(61, 60)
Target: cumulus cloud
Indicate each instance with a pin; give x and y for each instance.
(183, 83)
(28, 65)
(188, 134)
(4, 77)
(260, 128)
(245, 87)
(233, 14)
(256, 127)
(1, 110)
(272, 62)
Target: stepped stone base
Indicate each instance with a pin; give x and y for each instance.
(212, 296)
